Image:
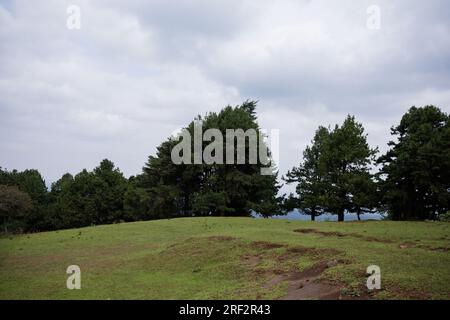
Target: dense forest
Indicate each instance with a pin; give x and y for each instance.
(338, 173)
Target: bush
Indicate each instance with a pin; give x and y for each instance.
(14, 207)
(445, 217)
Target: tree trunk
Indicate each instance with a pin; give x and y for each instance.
(5, 224)
(359, 215)
(341, 215)
(313, 216)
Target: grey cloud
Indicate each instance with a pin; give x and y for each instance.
(138, 70)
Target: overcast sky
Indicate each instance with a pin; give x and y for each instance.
(138, 70)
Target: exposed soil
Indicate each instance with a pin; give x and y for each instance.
(440, 249)
(323, 233)
(408, 294)
(306, 285)
(266, 245)
(251, 260)
(342, 235)
(221, 238)
(296, 251)
(407, 245)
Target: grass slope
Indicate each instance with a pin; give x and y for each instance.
(226, 258)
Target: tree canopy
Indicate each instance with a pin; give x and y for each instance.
(14, 206)
(334, 176)
(219, 175)
(211, 188)
(415, 173)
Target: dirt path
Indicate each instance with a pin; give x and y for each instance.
(342, 235)
(405, 245)
(305, 285)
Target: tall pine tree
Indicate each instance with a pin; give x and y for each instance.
(334, 176)
(215, 188)
(415, 172)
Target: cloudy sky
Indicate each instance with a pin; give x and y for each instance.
(138, 70)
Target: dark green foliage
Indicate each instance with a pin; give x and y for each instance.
(347, 161)
(169, 187)
(109, 194)
(415, 172)
(136, 201)
(15, 205)
(88, 198)
(211, 189)
(334, 175)
(365, 194)
(31, 183)
(445, 217)
(310, 177)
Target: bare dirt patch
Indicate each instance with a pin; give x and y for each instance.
(251, 260)
(294, 252)
(303, 285)
(266, 245)
(306, 285)
(322, 233)
(221, 238)
(342, 235)
(300, 250)
(408, 245)
(438, 249)
(258, 259)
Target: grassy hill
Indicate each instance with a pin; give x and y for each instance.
(230, 258)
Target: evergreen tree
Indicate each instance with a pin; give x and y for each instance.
(415, 171)
(136, 201)
(88, 198)
(334, 176)
(29, 181)
(14, 207)
(211, 188)
(348, 159)
(310, 177)
(109, 194)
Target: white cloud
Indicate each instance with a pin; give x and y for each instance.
(138, 70)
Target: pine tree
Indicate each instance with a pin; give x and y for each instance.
(334, 176)
(415, 172)
(211, 188)
(309, 176)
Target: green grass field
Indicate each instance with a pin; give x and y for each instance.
(230, 258)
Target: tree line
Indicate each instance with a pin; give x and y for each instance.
(339, 173)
